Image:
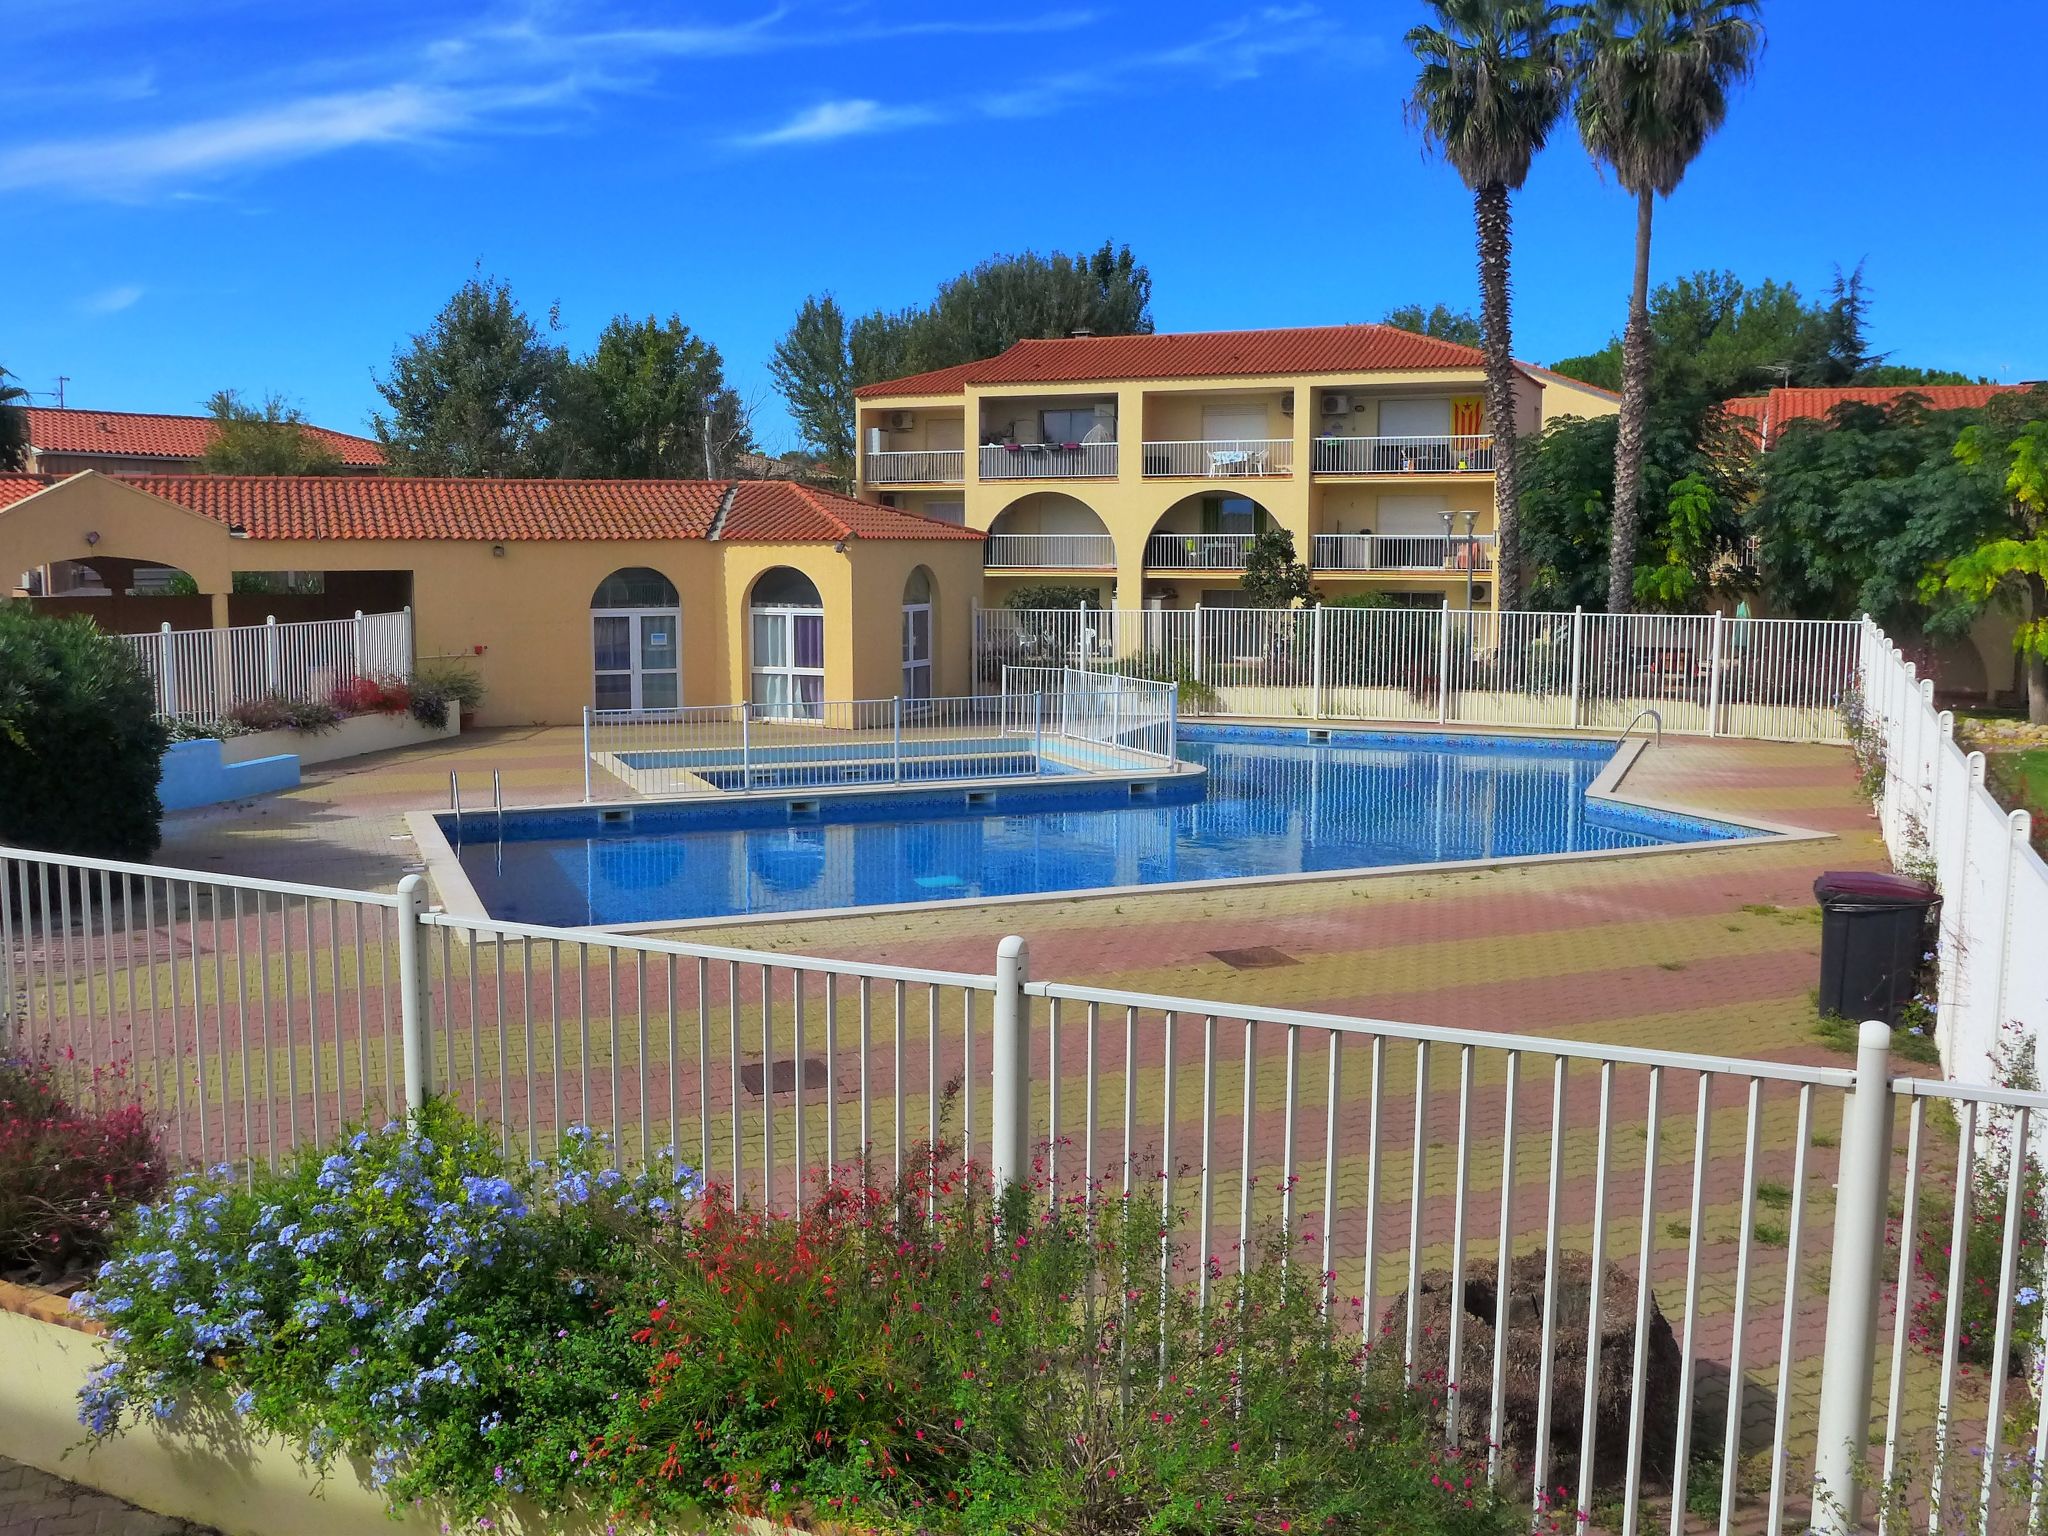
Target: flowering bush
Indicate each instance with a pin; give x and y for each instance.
(276, 712)
(928, 1360)
(372, 696)
(66, 1173)
(416, 1301)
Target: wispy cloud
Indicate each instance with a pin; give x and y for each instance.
(839, 120)
(111, 301)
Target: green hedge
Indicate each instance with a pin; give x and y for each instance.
(81, 748)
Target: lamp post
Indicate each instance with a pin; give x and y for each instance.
(1471, 520)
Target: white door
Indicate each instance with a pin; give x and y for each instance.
(917, 650)
(635, 658)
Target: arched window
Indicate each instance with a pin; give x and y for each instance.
(917, 635)
(787, 622)
(636, 641)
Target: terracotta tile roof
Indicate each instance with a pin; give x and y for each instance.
(14, 487)
(1195, 355)
(138, 435)
(1773, 412)
(1540, 373)
(507, 511)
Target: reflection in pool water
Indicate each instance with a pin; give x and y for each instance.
(1271, 807)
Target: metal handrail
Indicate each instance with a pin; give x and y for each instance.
(1653, 714)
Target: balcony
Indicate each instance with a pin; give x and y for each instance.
(1049, 551)
(917, 466)
(1048, 461)
(1196, 551)
(1404, 455)
(1367, 552)
(1221, 458)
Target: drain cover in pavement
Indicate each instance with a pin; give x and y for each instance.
(784, 1076)
(1258, 958)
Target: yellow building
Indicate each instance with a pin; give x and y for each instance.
(561, 594)
(1142, 466)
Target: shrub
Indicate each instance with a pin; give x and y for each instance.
(371, 696)
(276, 712)
(436, 687)
(420, 1303)
(81, 749)
(67, 1174)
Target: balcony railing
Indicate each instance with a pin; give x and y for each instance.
(1402, 552)
(1196, 551)
(918, 466)
(1049, 551)
(1048, 461)
(1222, 458)
(1403, 455)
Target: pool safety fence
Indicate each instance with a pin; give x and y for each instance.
(1063, 723)
(202, 674)
(1705, 674)
(1744, 1201)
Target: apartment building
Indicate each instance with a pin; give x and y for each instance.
(1143, 466)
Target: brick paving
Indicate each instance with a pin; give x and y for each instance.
(33, 1503)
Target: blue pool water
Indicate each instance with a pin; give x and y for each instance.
(1269, 803)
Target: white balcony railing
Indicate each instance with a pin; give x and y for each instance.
(1222, 458)
(918, 466)
(1048, 461)
(1402, 552)
(1049, 551)
(1196, 551)
(1403, 455)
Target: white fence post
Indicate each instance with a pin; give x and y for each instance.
(1578, 659)
(1315, 662)
(1848, 1358)
(167, 669)
(746, 750)
(2019, 833)
(586, 754)
(1198, 642)
(1443, 664)
(412, 997)
(1714, 680)
(357, 634)
(1010, 1107)
(273, 661)
(896, 732)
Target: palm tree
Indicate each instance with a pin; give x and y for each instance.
(1654, 78)
(13, 424)
(1493, 84)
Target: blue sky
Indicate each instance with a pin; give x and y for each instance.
(271, 197)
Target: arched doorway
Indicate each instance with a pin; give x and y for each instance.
(1209, 531)
(786, 621)
(918, 593)
(636, 641)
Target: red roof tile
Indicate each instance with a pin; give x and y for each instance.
(506, 511)
(14, 487)
(1773, 412)
(137, 435)
(1196, 355)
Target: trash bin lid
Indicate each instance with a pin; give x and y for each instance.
(1869, 888)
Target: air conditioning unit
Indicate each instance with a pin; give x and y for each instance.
(1336, 405)
(902, 421)
(1287, 405)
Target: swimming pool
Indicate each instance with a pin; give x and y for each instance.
(1269, 803)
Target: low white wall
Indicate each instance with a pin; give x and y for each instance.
(354, 737)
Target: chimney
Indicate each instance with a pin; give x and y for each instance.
(1081, 330)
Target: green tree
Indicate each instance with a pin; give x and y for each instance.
(650, 402)
(268, 439)
(475, 393)
(1653, 86)
(1440, 321)
(825, 355)
(13, 424)
(1273, 577)
(1492, 85)
(2012, 566)
(1852, 511)
(81, 748)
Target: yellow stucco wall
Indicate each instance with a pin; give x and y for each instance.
(521, 618)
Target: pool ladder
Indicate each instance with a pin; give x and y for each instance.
(497, 802)
(1655, 719)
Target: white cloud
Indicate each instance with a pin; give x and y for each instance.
(111, 301)
(840, 120)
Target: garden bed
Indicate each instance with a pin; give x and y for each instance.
(354, 736)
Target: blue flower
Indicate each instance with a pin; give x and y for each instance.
(2027, 1296)
(244, 1401)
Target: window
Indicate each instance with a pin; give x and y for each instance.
(786, 624)
(636, 641)
(917, 635)
(1071, 426)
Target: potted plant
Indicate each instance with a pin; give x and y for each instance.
(440, 684)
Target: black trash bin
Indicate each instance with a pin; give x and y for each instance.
(1873, 931)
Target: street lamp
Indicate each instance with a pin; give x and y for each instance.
(1471, 520)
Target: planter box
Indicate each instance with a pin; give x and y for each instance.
(200, 1467)
(355, 736)
(196, 773)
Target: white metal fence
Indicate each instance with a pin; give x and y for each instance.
(1012, 551)
(1197, 551)
(1221, 458)
(1401, 552)
(201, 674)
(255, 1017)
(1055, 461)
(1775, 679)
(1994, 916)
(917, 466)
(1403, 455)
(1021, 731)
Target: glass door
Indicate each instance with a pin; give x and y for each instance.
(917, 650)
(635, 659)
(789, 662)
